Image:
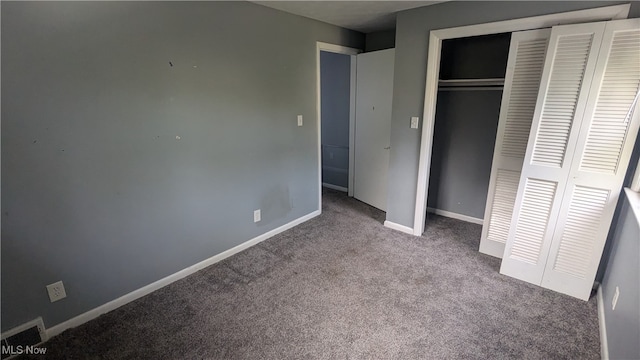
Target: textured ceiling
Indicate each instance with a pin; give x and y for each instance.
(363, 16)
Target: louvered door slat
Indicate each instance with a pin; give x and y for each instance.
(580, 231)
(562, 98)
(603, 148)
(522, 81)
(504, 199)
(607, 135)
(570, 60)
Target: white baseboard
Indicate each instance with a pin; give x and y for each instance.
(453, 215)
(335, 187)
(136, 294)
(394, 226)
(604, 344)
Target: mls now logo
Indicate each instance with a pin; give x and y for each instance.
(19, 350)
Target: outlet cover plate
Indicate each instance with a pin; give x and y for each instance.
(56, 291)
(257, 215)
(414, 122)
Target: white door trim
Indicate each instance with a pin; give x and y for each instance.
(321, 46)
(604, 342)
(433, 70)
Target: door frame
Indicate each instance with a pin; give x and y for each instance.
(436, 37)
(352, 52)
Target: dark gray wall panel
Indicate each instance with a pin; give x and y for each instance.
(380, 40)
(475, 57)
(464, 137)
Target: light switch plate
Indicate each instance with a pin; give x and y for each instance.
(414, 122)
(299, 120)
(614, 301)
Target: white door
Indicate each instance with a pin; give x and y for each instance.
(577, 155)
(605, 141)
(522, 81)
(374, 92)
(572, 53)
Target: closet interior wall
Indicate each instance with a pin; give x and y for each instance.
(466, 124)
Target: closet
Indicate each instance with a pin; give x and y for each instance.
(566, 130)
(471, 76)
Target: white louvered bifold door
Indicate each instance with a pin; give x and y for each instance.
(572, 54)
(522, 81)
(604, 145)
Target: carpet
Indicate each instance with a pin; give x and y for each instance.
(342, 286)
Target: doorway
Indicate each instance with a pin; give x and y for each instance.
(336, 98)
(472, 72)
(335, 108)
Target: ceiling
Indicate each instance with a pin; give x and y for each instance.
(362, 16)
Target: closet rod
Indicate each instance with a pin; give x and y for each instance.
(470, 88)
(472, 82)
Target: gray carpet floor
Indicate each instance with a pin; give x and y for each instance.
(342, 286)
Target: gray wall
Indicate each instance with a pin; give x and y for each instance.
(623, 270)
(335, 72)
(635, 158)
(380, 40)
(97, 191)
(412, 40)
(464, 137)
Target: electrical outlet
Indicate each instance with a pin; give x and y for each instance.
(256, 215)
(56, 291)
(299, 120)
(614, 301)
(414, 122)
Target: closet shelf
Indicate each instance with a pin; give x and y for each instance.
(471, 84)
